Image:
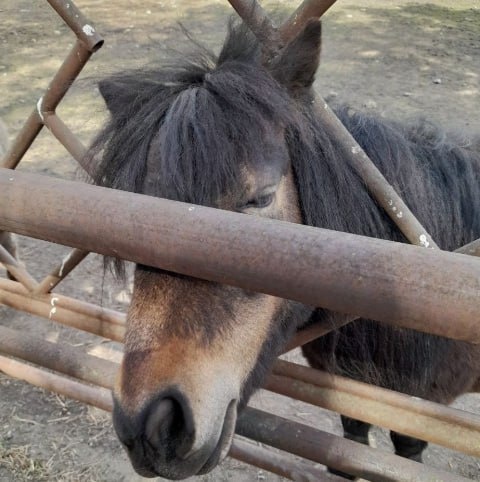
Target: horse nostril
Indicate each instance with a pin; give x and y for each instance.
(159, 421)
(168, 428)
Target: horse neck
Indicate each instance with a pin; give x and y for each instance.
(436, 176)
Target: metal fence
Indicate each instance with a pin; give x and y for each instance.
(33, 210)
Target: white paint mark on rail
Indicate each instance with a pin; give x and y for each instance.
(88, 30)
(39, 108)
(54, 308)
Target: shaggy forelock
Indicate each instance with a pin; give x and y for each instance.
(186, 132)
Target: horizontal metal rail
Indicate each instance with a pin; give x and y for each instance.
(439, 424)
(418, 418)
(279, 463)
(309, 443)
(283, 465)
(334, 321)
(391, 282)
(324, 448)
(64, 310)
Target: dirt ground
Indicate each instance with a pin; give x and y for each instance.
(399, 58)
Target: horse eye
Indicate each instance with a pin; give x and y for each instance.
(261, 201)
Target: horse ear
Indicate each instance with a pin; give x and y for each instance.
(115, 94)
(297, 64)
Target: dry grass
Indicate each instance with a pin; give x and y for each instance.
(54, 459)
(19, 462)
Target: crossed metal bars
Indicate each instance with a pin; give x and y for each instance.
(34, 297)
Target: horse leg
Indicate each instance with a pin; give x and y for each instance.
(408, 447)
(352, 430)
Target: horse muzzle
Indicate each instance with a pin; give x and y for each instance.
(167, 438)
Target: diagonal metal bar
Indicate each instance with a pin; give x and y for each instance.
(66, 137)
(74, 18)
(259, 23)
(17, 270)
(47, 104)
(312, 332)
(472, 249)
(379, 187)
(307, 10)
(88, 41)
(73, 259)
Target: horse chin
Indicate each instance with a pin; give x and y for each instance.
(225, 440)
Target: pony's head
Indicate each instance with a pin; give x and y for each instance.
(217, 131)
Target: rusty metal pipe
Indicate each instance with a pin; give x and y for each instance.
(472, 249)
(88, 41)
(61, 82)
(334, 321)
(73, 259)
(417, 418)
(333, 451)
(54, 308)
(46, 105)
(395, 399)
(259, 23)
(280, 464)
(96, 396)
(376, 183)
(308, 9)
(337, 320)
(70, 360)
(17, 270)
(311, 265)
(81, 27)
(75, 363)
(23, 141)
(104, 315)
(66, 137)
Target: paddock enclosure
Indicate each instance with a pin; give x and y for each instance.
(93, 219)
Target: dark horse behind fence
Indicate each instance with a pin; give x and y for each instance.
(232, 133)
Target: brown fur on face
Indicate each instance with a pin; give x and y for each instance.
(182, 330)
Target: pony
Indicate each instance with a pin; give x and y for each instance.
(234, 132)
